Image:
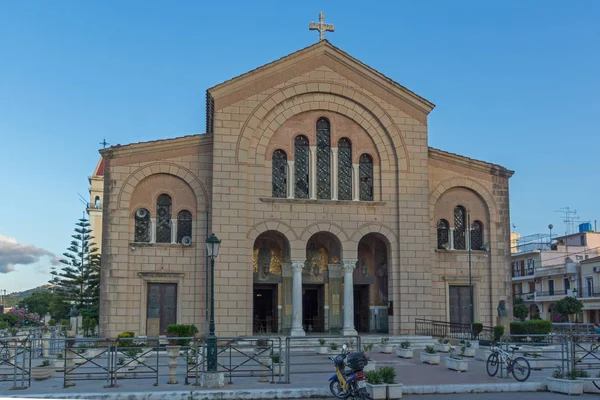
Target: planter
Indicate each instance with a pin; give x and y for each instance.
(404, 353)
(386, 348)
(42, 373)
(482, 354)
(433, 359)
(456, 365)
(475, 344)
(588, 385)
(442, 348)
(370, 366)
(469, 352)
(278, 369)
(565, 386)
(377, 392)
(322, 350)
(394, 390)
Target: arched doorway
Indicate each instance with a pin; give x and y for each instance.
(371, 285)
(322, 284)
(271, 251)
(534, 311)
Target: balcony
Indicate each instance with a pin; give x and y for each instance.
(525, 296)
(589, 293)
(523, 273)
(555, 295)
(569, 269)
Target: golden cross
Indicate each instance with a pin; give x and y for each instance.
(322, 27)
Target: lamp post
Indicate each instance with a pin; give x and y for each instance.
(212, 250)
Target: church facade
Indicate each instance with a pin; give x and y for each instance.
(334, 214)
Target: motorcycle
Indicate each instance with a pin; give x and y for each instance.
(349, 383)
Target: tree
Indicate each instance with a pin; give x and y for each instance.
(44, 302)
(520, 310)
(79, 280)
(568, 306)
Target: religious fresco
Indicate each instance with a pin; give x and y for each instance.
(268, 256)
(322, 249)
(373, 269)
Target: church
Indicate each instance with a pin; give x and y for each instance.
(334, 214)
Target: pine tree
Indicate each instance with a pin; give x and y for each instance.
(79, 279)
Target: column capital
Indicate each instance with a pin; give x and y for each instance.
(297, 265)
(334, 149)
(349, 265)
(291, 162)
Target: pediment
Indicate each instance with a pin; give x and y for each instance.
(303, 61)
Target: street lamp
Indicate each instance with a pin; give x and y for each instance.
(212, 250)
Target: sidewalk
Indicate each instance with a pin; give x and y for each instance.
(305, 383)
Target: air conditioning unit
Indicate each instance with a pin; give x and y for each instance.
(596, 269)
(186, 241)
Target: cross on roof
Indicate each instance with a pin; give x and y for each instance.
(322, 27)
(104, 143)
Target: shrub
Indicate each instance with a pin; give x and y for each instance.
(183, 331)
(322, 342)
(388, 375)
(4, 325)
(385, 340)
(430, 350)
(405, 344)
(65, 322)
(125, 335)
(275, 358)
(531, 327)
(374, 377)
(333, 346)
(520, 310)
(10, 319)
(52, 322)
(476, 328)
(498, 332)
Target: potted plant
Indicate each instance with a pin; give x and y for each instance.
(457, 362)
(333, 346)
(43, 371)
(322, 347)
(430, 356)
(376, 389)
(404, 350)
(442, 345)
(386, 348)
(469, 350)
(567, 383)
(388, 376)
(278, 366)
(372, 363)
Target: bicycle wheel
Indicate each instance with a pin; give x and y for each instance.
(521, 369)
(594, 347)
(492, 364)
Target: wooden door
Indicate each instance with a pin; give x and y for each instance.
(162, 308)
(459, 305)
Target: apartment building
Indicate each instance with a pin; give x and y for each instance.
(589, 282)
(545, 271)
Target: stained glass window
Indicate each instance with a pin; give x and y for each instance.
(142, 225)
(476, 235)
(344, 169)
(184, 225)
(365, 176)
(459, 228)
(279, 173)
(443, 229)
(323, 159)
(301, 167)
(163, 222)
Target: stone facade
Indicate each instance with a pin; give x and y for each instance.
(378, 254)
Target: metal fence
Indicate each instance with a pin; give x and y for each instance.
(450, 330)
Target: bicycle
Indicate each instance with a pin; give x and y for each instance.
(515, 365)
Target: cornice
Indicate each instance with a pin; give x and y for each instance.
(159, 146)
(466, 162)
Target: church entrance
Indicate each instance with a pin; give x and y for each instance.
(313, 312)
(265, 309)
(361, 308)
(459, 304)
(162, 308)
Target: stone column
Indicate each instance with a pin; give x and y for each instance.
(297, 329)
(349, 266)
(334, 174)
(313, 173)
(290, 179)
(286, 286)
(451, 239)
(173, 230)
(355, 182)
(152, 230)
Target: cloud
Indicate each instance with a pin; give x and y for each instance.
(14, 253)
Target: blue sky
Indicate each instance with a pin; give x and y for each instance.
(515, 83)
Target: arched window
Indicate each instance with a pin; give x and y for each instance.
(344, 169)
(443, 230)
(97, 202)
(476, 235)
(279, 173)
(323, 159)
(365, 174)
(163, 222)
(301, 167)
(142, 226)
(184, 225)
(459, 228)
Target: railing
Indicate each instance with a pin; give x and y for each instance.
(586, 293)
(556, 292)
(451, 330)
(517, 273)
(525, 296)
